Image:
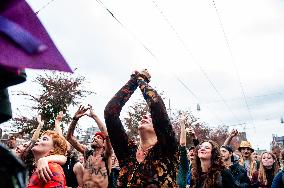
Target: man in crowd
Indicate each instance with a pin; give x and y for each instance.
(246, 150)
(238, 172)
(276, 150)
(98, 159)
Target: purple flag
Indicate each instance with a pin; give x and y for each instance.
(24, 42)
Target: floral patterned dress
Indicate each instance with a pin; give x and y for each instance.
(159, 168)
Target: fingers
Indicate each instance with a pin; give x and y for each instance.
(59, 116)
(83, 109)
(46, 175)
(41, 175)
(38, 118)
(145, 75)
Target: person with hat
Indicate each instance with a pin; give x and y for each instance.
(238, 172)
(246, 150)
(247, 161)
(97, 160)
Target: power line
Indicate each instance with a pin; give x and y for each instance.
(194, 59)
(152, 54)
(44, 6)
(233, 61)
(248, 97)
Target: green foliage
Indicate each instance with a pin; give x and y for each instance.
(134, 116)
(202, 130)
(57, 91)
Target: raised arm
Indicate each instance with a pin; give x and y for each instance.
(161, 122)
(102, 127)
(117, 134)
(58, 120)
(193, 136)
(183, 165)
(38, 129)
(231, 136)
(182, 120)
(70, 134)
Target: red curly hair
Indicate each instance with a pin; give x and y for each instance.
(59, 143)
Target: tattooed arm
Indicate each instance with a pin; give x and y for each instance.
(70, 134)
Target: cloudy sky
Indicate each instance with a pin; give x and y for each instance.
(225, 55)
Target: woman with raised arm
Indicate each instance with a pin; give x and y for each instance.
(154, 162)
(24, 152)
(184, 163)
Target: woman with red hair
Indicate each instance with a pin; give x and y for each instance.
(51, 143)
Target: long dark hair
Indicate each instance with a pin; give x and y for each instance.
(214, 171)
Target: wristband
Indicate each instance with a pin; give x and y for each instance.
(75, 119)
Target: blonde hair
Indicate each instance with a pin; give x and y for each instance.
(262, 175)
(59, 143)
(252, 165)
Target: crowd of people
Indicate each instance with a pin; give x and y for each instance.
(53, 160)
(157, 159)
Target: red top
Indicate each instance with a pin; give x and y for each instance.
(57, 180)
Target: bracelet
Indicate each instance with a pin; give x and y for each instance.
(75, 119)
(143, 77)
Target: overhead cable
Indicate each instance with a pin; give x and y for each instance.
(152, 54)
(234, 63)
(194, 59)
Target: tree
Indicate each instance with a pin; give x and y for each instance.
(134, 116)
(202, 130)
(57, 91)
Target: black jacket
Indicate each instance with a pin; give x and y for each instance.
(240, 175)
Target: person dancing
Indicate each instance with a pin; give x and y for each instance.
(154, 161)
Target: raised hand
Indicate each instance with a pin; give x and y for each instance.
(144, 74)
(59, 116)
(80, 112)
(183, 117)
(234, 133)
(39, 120)
(91, 113)
(190, 131)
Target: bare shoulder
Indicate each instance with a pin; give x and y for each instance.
(78, 167)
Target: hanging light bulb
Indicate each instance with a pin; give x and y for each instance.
(198, 107)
